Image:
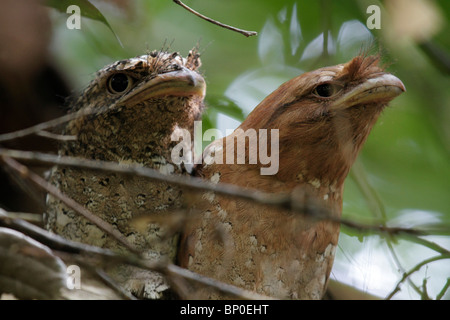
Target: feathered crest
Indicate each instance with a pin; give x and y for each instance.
(361, 67)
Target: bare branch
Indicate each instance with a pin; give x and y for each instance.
(220, 24)
(444, 289)
(172, 269)
(30, 217)
(54, 136)
(72, 204)
(285, 201)
(282, 200)
(406, 275)
(56, 242)
(40, 127)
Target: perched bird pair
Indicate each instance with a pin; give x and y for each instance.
(323, 118)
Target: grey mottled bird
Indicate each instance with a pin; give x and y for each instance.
(148, 98)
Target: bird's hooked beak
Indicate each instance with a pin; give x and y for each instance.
(384, 87)
(179, 83)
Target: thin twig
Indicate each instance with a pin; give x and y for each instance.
(56, 242)
(220, 24)
(284, 201)
(111, 283)
(444, 289)
(54, 136)
(40, 127)
(281, 200)
(51, 240)
(373, 200)
(401, 269)
(424, 294)
(72, 204)
(90, 263)
(224, 287)
(406, 275)
(377, 208)
(27, 216)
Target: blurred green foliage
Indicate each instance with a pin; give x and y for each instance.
(87, 10)
(405, 162)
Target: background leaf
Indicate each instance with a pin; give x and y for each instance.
(87, 10)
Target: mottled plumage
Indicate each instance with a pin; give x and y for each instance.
(148, 98)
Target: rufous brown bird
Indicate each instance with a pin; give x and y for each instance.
(136, 104)
(323, 118)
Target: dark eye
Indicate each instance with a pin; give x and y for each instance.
(119, 83)
(327, 90)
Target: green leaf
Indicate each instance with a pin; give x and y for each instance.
(88, 10)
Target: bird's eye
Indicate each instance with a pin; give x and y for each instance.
(327, 90)
(119, 83)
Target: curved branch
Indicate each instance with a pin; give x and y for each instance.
(406, 275)
(220, 24)
(285, 201)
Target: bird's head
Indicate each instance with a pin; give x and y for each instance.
(139, 101)
(324, 117)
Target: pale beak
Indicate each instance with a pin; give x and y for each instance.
(380, 89)
(179, 83)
